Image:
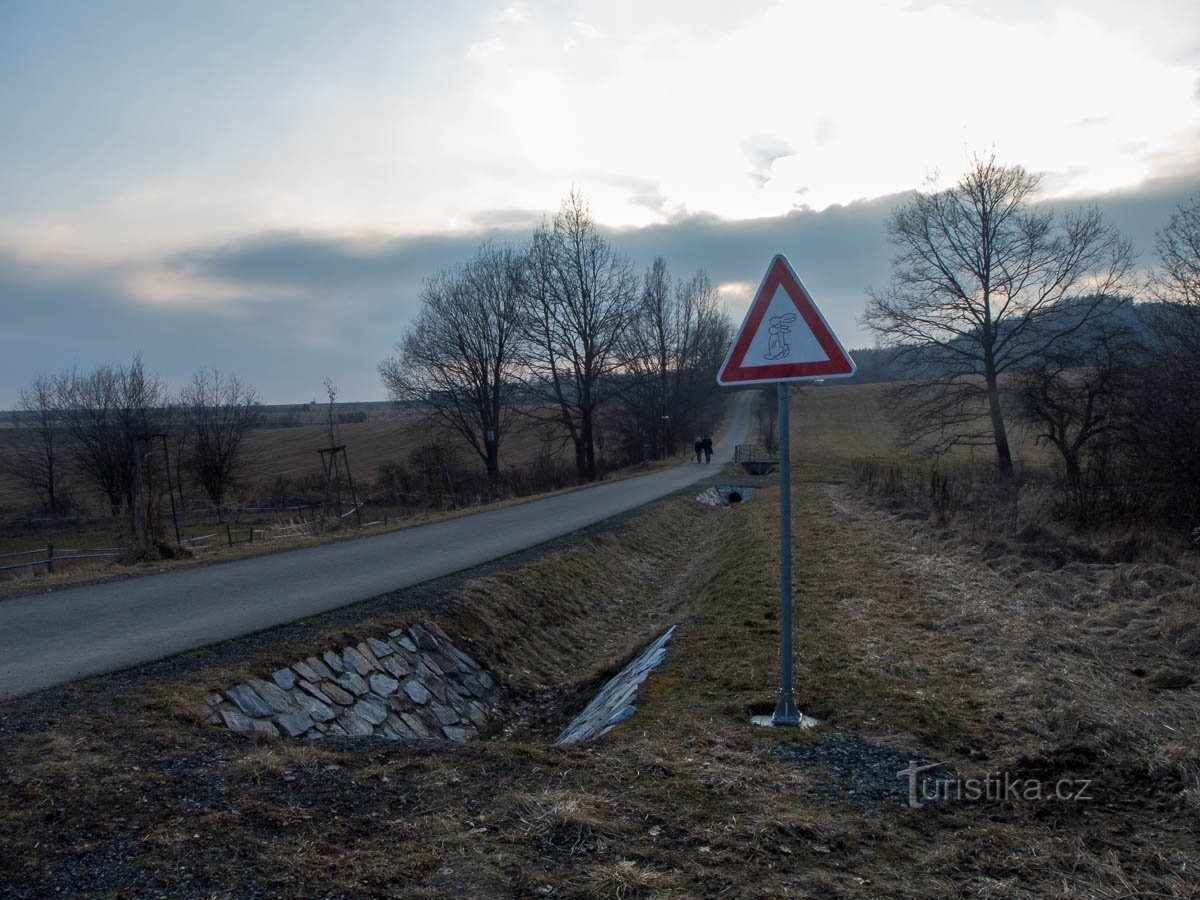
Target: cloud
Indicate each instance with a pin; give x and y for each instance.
(825, 130)
(282, 341)
(284, 309)
(1139, 214)
(837, 252)
(483, 50)
(508, 219)
(762, 150)
(316, 262)
(641, 192)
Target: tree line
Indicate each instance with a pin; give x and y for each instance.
(1002, 312)
(107, 426)
(561, 329)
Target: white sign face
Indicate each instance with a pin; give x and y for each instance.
(784, 337)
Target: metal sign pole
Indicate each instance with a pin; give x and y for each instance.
(786, 712)
(761, 353)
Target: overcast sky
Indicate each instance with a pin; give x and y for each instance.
(262, 186)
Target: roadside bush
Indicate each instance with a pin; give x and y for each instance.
(1034, 511)
(394, 485)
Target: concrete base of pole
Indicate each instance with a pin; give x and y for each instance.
(802, 722)
(786, 711)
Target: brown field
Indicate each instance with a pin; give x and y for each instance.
(292, 452)
(274, 454)
(833, 424)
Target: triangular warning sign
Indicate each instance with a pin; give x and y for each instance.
(784, 337)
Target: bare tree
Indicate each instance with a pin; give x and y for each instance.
(36, 452)
(460, 357)
(581, 298)
(1175, 282)
(1177, 278)
(1076, 393)
(673, 348)
(703, 333)
(984, 282)
(1166, 427)
(104, 411)
(218, 412)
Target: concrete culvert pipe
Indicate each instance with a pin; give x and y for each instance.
(735, 497)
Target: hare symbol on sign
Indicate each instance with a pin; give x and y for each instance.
(777, 345)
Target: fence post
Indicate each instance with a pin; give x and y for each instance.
(228, 534)
(252, 534)
(50, 559)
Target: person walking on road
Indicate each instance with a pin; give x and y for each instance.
(698, 446)
(707, 445)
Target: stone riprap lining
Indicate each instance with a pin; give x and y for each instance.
(615, 702)
(411, 684)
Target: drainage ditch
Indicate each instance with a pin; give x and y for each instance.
(410, 684)
(725, 494)
(615, 701)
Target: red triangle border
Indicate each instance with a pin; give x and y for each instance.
(838, 365)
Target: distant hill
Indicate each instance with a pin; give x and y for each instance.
(878, 365)
(293, 415)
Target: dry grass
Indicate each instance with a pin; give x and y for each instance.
(907, 634)
(834, 424)
(567, 823)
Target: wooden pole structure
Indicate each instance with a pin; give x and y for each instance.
(170, 488)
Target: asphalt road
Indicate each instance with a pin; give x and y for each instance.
(48, 639)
